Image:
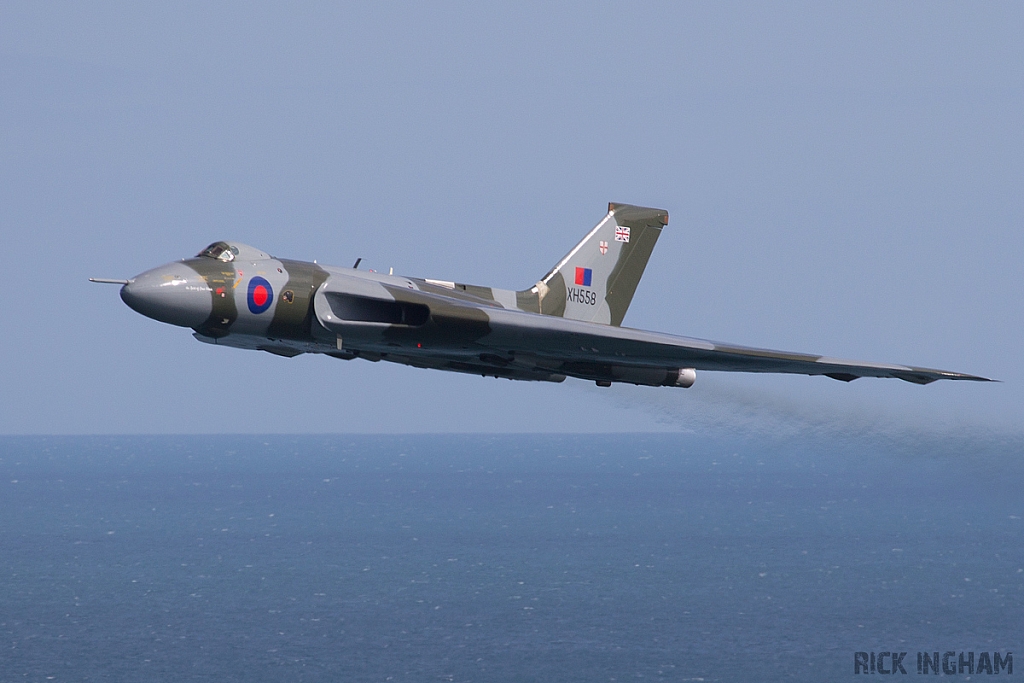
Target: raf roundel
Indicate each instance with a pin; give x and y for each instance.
(261, 295)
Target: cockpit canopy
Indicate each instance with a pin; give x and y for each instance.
(229, 251)
(220, 250)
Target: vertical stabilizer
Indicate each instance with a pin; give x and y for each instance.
(596, 280)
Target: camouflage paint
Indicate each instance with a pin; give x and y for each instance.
(645, 227)
(541, 333)
(220, 277)
(449, 324)
(293, 317)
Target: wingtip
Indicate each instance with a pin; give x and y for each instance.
(971, 378)
(928, 375)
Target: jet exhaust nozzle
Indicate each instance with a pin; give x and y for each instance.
(685, 378)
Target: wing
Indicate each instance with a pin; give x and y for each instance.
(448, 328)
(594, 351)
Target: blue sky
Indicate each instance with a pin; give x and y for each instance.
(842, 179)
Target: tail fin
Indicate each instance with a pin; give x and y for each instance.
(596, 280)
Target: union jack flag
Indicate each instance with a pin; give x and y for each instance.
(621, 234)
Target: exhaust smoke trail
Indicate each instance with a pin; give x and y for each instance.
(730, 407)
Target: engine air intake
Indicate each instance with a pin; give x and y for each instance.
(353, 308)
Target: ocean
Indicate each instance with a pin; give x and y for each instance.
(675, 557)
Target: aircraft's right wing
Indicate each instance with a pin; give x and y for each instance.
(590, 350)
(456, 330)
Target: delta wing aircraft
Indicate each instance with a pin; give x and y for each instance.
(568, 324)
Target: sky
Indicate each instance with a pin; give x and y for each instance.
(843, 179)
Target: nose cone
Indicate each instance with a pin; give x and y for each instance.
(172, 294)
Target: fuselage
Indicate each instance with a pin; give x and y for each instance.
(236, 295)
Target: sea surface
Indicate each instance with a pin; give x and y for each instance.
(674, 557)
